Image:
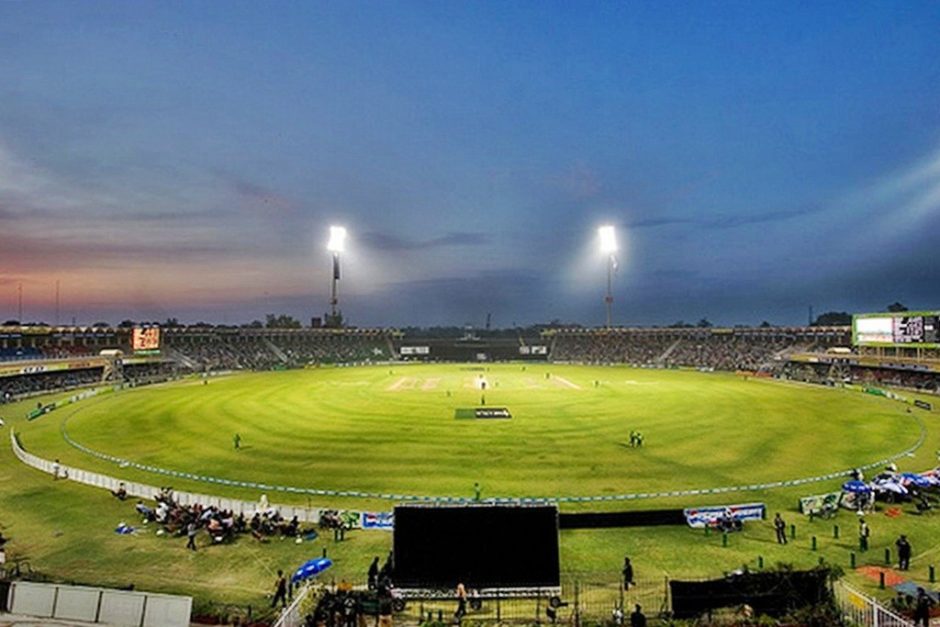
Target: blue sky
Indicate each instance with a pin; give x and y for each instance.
(186, 159)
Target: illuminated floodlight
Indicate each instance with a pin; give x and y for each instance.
(608, 239)
(337, 243)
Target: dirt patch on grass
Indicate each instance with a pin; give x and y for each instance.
(892, 577)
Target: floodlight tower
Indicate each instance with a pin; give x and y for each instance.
(608, 241)
(336, 245)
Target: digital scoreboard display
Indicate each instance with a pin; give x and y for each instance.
(145, 339)
(908, 328)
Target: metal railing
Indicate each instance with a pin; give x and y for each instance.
(864, 610)
(578, 601)
(294, 614)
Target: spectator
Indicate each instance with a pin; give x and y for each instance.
(904, 552)
(864, 533)
(637, 618)
(627, 574)
(374, 573)
(148, 514)
(922, 608)
(191, 531)
(780, 528)
(461, 595)
(280, 590)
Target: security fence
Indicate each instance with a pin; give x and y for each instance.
(303, 603)
(861, 609)
(577, 601)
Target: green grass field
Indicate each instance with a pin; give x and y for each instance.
(394, 430)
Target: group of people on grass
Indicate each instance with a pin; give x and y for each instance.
(380, 577)
(3, 551)
(221, 525)
(917, 607)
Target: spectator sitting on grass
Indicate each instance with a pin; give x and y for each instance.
(148, 514)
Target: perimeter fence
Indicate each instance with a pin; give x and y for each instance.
(860, 609)
(592, 600)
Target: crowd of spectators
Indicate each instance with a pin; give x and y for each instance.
(220, 525)
(28, 384)
(51, 351)
(700, 348)
(729, 352)
(68, 351)
(210, 354)
(614, 347)
(334, 349)
(150, 372)
(20, 354)
(925, 381)
(251, 352)
(824, 373)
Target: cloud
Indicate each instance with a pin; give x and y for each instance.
(255, 197)
(732, 221)
(24, 253)
(37, 198)
(508, 293)
(649, 223)
(394, 243)
(722, 221)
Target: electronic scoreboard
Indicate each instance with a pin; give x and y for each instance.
(145, 340)
(918, 329)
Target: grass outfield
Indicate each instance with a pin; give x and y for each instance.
(384, 429)
(393, 430)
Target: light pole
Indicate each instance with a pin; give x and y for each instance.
(336, 245)
(608, 241)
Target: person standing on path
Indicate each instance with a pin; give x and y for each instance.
(780, 527)
(280, 590)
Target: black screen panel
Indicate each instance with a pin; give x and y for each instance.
(480, 546)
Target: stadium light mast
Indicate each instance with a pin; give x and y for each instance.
(608, 241)
(336, 245)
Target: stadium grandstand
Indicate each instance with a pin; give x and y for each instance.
(753, 349)
(40, 359)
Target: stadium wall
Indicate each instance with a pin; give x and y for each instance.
(98, 605)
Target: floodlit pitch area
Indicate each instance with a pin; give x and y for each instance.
(393, 429)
